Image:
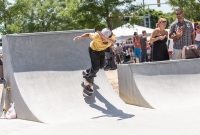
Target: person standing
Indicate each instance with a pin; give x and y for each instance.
(144, 43)
(107, 57)
(159, 38)
(119, 54)
(182, 33)
(170, 47)
(124, 47)
(100, 41)
(148, 58)
(197, 36)
(137, 46)
(112, 58)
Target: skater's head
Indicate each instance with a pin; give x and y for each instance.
(107, 32)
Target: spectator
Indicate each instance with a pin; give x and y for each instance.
(132, 54)
(144, 43)
(182, 33)
(124, 50)
(170, 47)
(197, 36)
(148, 56)
(137, 46)
(124, 47)
(127, 55)
(119, 53)
(107, 56)
(111, 61)
(159, 38)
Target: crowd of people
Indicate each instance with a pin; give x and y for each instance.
(181, 34)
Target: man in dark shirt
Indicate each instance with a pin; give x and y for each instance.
(182, 33)
(143, 42)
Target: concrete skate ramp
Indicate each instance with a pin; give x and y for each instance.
(161, 85)
(44, 71)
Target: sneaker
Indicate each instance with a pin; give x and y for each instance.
(86, 75)
(83, 73)
(87, 87)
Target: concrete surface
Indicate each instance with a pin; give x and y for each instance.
(45, 79)
(161, 85)
(44, 73)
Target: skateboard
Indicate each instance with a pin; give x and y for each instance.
(4, 90)
(86, 93)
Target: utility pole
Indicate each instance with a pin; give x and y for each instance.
(144, 17)
(149, 13)
(4, 12)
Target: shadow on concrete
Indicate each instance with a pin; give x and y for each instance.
(110, 111)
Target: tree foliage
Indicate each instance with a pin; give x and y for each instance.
(56, 15)
(109, 11)
(5, 14)
(155, 16)
(191, 8)
(39, 15)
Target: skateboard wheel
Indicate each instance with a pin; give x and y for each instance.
(88, 93)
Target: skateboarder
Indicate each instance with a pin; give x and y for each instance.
(100, 41)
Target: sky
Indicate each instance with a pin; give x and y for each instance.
(164, 8)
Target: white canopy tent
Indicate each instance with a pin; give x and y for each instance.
(126, 31)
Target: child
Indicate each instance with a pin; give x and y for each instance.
(100, 41)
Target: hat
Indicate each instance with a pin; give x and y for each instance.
(106, 32)
(135, 33)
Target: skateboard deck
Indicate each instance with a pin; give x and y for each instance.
(86, 93)
(3, 94)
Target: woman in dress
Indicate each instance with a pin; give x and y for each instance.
(159, 38)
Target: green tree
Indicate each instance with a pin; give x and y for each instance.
(4, 15)
(109, 11)
(42, 15)
(191, 8)
(154, 17)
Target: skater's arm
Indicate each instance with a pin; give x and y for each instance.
(86, 35)
(110, 40)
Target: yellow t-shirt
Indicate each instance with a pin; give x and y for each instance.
(97, 43)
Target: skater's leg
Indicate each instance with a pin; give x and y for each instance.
(102, 59)
(88, 70)
(97, 61)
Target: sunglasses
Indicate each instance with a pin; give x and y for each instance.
(179, 13)
(163, 22)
